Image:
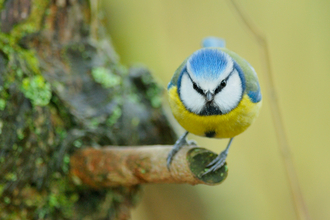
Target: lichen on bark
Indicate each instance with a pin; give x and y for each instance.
(52, 103)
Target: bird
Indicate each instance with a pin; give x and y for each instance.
(214, 93)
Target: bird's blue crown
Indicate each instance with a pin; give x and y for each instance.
(207, 63)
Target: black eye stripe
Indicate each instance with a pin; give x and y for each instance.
(221, 86)
(195, 86)
(217, 90)
(199, 90)
(223, 83)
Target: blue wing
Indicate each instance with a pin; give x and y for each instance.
(254, 91)
(252, 86)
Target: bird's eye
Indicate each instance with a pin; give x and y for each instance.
(199, 90)
(221, 86)
(223, 83)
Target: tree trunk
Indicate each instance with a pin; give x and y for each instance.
(62, 88)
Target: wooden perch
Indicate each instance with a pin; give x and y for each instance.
(125, 166)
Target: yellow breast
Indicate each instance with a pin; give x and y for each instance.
(221, 126)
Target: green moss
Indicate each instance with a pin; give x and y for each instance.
(33, 22)
(135, 121)
(77, 143)
(66, 163)
(198, 159)
(22, 70)
(55, 198)
(37, 90)
(114, 116)
(9, 43)
(7, 200)
(1, 4)
(61, 198)
(20, 134)
(39, 161)
(134, 98)
(94, 122)
(31, 64)
(105, 77)
(11, 177)
(25, 62)
(153, 93)
(2, 104)
(61, 132)
(37, 130)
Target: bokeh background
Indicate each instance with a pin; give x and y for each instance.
(162, 33)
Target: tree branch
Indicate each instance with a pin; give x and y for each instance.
(125, 166)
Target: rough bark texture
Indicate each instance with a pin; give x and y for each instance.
(61, 90)
(129, 166)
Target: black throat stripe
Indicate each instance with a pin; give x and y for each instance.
(210, 109)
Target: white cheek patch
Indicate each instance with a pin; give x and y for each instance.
(191, 99)
(229, 97)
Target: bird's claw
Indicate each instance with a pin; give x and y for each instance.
(191, 142)
(182, 141)
(216, 164)
(169, 159)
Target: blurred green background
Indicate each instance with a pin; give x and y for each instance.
(162, 33)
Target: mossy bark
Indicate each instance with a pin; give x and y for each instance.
(62, 88)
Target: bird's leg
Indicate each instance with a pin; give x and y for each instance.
(177, 146)
(219, 161)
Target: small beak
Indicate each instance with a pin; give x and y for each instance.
(209, 96)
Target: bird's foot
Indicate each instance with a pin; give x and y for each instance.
(177, 146)
(170, 157)
(191, 142)
(217, 163)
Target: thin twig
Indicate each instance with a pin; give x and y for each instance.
(298, 200)
(126, 166)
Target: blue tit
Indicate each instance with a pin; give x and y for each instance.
(214, 93)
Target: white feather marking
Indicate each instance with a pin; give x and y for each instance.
(229, 97)
(189, 96)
